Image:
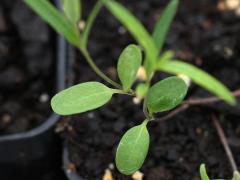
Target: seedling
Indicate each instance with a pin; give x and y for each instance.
(162, 96)
(204, 176)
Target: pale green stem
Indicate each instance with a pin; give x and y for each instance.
(90, 22)
(97, 70)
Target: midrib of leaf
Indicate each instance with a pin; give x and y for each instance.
(97, 94)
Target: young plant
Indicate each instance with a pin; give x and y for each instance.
(204, 176)
(162, 96)
(153, 45)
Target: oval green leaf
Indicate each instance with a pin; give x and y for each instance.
(80, 98)
(166, 94)
(128, 64)
(132, 149)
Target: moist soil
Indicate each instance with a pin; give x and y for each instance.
(26, 68)
(201, 34)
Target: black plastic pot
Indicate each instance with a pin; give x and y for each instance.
(71, 175)
(30, 154)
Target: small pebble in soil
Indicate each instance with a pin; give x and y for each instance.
(81, 25)
(71, 168)
(199, 131)
(107, 175)
(44, 97)
(122, 30)
(91, 115)
(137, 176)
(137, 100)
(5, 120)
(111, 166)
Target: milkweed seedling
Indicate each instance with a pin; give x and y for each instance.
(204, 175)
(162, 96)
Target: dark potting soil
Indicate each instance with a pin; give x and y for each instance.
(26, 68)
(202, 35)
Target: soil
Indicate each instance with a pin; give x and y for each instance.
(26, 68)
(202, 35)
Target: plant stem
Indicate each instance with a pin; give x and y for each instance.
(97, 70)
(90, 22)
(188, 103)
(209, 99)
(173, 113)
(145, 110)
(224, 142)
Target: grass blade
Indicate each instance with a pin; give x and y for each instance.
(90, 22)
(55, 19)
(136, 28)
(163, 24)
(200, 77)
(72, 9)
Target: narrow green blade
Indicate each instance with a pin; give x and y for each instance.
(200, 77)
(90, 21)
(163, 24)
(55, 19)
(72, 9)
(136, 28)
(203, 172)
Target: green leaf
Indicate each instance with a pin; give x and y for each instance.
(72, 9)
(81, 98)
(166, 57)
(136, 28)
(163, 24)
(203, 172)
(166, 94)
(132, 149)
(200, 77)
(90, 21)
(142, 89)
(54, 18)
(128, 64)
